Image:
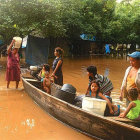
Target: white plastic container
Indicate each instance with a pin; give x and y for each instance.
(33, 67)
(18, 41)
(94, 105)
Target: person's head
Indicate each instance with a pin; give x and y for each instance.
(58, 52)
(15, 50)
(95, 87)
(47, 74)
(46, 67)
(134, 59)
(92, 70)
(133, 94)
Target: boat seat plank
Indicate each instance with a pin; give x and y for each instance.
(123, 120)
(30, 79)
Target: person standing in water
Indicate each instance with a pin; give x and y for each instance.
(57, 66)
(13, 66)
(107, 49)
(131, 77)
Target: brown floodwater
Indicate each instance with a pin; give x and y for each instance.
(21, 118)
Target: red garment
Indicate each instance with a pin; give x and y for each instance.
(13, 67)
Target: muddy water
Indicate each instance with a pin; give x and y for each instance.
(21, 118)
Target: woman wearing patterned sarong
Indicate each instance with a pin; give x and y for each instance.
(13, 66)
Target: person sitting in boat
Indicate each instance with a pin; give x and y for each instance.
(105, 84)
(111, 110)
(45, 68)
(133, 110)
(47, 83)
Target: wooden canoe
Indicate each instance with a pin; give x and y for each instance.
(91, 124)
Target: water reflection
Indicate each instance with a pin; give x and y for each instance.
(29, 122)
(75, 70)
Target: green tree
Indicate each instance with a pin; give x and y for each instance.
(107, 20)
(124, 28)
(21, 17)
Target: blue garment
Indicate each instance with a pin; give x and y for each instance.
(107, 48)
(58, 73)
(97, 96)
(42, 79)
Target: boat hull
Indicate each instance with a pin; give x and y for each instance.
(92, 124)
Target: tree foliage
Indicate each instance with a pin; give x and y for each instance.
(107, 20)
(125, 27)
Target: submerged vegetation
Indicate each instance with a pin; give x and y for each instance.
(106, 19)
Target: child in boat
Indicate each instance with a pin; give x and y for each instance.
(105, 84)
(111, 110)
(133, 110)
(47, 83)
(45, 68)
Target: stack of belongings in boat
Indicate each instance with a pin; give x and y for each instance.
(66, 93)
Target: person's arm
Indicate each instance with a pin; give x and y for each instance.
(10, 46)
(51, 79)
(108, 102)
(57, 66)
(123, 86)
(130, 106)
(40, 73)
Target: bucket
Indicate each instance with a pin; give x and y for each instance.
(94, 105)
(33, 67)
(68, 88)
(65, 96)
(18, 41)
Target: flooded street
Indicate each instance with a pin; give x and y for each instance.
(21, 118)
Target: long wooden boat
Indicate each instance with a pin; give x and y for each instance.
(91, 124)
